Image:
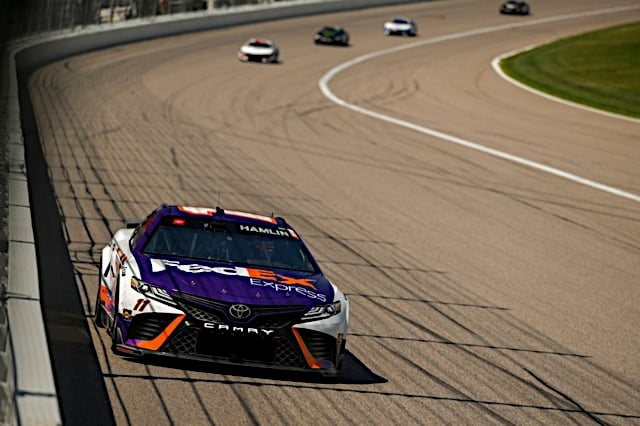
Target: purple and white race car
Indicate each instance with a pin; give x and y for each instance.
(222, 286)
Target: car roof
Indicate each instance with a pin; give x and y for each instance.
(260, 40)
(221, 214)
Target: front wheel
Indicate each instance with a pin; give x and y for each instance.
(116, 335)
(99, 314)
(341, 356)
(114, 331)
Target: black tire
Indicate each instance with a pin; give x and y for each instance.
(341, 355)
(114, 331)
(116, 336)
(99, 314)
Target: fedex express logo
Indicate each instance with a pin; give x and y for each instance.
(261, 274)
(257, 277)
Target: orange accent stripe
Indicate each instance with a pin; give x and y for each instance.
(155, 344)
(311, 361)
(126, 350)
(104, 293)
(251, 216)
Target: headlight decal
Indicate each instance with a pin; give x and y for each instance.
(323, 311)
(151, 291)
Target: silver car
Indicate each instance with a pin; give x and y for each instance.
(400, 26)
(259, 50)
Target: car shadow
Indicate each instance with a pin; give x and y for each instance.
(334, 45)
(353, 371)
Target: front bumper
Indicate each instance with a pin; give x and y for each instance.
(272, 341)
(508, 11)
(331, 40)
(398, 31)
(245, 57)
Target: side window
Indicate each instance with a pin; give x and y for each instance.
(160, 242)
(140, 230)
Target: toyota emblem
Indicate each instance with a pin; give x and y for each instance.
(239, 311)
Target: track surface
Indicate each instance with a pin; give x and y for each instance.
(481, 291)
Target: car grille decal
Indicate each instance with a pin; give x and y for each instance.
(148, 326)
(279, 351)
(160, 339)
(223, 307)
(321, 345)
(204, 315)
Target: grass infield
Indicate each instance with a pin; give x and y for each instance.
(600, 69)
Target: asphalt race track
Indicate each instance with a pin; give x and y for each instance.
(482, 290)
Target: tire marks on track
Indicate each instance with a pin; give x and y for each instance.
(427, 341)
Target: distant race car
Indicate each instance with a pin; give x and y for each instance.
(259, 50)
(400, 26)
(221, 286)
(332, 35)
(514, 7)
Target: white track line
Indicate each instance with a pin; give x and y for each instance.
(495, 63)
(324, 87)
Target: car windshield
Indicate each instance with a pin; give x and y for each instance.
(266, 246)
(259, 44)
(400, 21)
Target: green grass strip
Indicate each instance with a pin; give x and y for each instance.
(600, 69)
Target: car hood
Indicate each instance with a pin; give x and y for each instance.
(252, 50)
(398, 25)
(235, 284)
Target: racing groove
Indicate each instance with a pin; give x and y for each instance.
(481, 291)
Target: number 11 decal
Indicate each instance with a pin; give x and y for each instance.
(141, 304)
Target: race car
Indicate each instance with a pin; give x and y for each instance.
(400, 26)
(259, 50)
(224, 286)
(332, 35)
(514, 7)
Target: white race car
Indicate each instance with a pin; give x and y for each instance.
(400, 26)
(259, 50)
